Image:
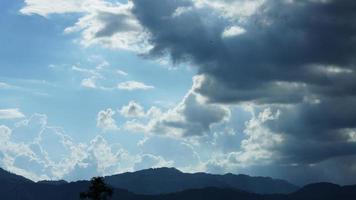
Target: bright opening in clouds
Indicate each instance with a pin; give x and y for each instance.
(98, 87)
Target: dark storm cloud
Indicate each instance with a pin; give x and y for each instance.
(297, 53)
(317, 132)
(283, 43)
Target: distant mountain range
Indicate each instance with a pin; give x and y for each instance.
(171, 184)
(168, 180)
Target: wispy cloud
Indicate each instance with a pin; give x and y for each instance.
(11, 113)
(134, 85)
(4, 85)
(122, 73)
(86, 71)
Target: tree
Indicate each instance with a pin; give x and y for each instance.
(98, 190)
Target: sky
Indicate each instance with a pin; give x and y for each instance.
(100, 87)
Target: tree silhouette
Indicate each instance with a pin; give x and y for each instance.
(98, 190)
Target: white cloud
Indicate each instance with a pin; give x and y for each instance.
(45, 8)
(232, 9)
(105, 120)
(108, 24)
(134, 85)
(181, 10)
(151, 161)
(88, 83)
(12, 113)
(133, 109)
(103, 154)
(233, 31)
(258, 147)
(91, 72)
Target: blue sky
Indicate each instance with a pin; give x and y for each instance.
(98, 87)
(43, 70)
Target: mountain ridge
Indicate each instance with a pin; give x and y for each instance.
(169, 180)
(24, 189)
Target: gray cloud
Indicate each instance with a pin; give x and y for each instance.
(297, 57)
(114, 23)
(284, 48)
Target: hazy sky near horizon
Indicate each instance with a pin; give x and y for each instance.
(98, 87)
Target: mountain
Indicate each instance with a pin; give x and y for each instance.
(13, 187)
(12, 178)
(9, 182)
(169, 180)
(70, 191)
(325, 191)
(318, 191)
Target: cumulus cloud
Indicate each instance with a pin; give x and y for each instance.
(11, 113)
(133, 109)
(191, 117)
(134, 85)
(105, 120)
(259, 147)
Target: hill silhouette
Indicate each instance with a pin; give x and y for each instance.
(13, 187)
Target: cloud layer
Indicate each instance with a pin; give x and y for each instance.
(290, 63)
